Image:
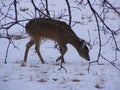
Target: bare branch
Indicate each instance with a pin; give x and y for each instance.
(62, 67)
(7, 51)
(97, 16)
(15, 6)
(112, 7)
(47, 8)
(38, 9)
(69, 10)
(94, 12)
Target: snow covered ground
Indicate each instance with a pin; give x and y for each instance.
(37, 76)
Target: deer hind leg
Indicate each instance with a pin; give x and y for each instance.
(37, 46)
(63, 50)
(28, 45)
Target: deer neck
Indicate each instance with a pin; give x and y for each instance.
(76, 42)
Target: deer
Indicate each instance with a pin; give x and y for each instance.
(58, 31)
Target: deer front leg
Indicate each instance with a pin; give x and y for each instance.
(37, 45)
(63, 50)
(28, 45)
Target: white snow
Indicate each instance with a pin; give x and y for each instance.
(37, 76)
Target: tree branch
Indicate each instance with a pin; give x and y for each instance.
(69, 11)
(47, 8)
(112, 7)
(97, 16)
(15, 6)
(38, 9)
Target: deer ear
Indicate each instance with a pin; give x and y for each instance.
(84, 44)
(88, 44)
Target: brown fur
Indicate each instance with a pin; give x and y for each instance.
(58, 31)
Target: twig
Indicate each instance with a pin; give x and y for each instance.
(106, 1)
(91, 63)
(99, 35)
(113, 64)
(62, 67)
(47, 8)
(7, 50)
(97, 16)
(7, 53)
(38, 9)
(15, 7)
(69, 10)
